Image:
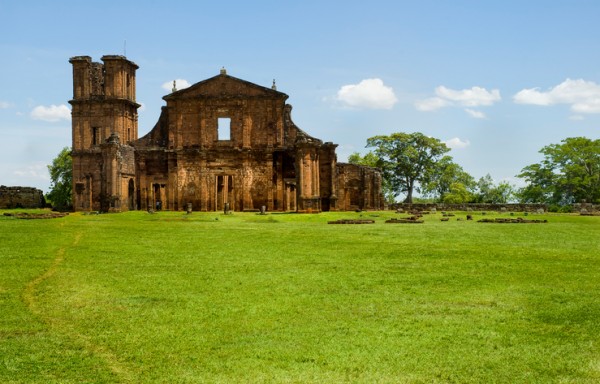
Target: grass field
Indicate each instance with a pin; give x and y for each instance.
(287, 298)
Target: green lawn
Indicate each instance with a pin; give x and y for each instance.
(287, 298)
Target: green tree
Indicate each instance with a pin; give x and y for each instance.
(61, 175)
(541, 184)
(502, 193)
(457, 194)
(405, 159)
(484, 188)
(444, 175)
(489, 192)
(369, 159)
(569, 173)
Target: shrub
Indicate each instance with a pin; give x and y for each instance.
(566, 209)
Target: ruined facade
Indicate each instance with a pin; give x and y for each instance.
(223, 142)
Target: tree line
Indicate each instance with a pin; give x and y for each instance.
(412, 162)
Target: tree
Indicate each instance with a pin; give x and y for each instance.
(484, 188)
(490, 193)
(541, 187)
(405, 159)
(502, 193)
(444, 176)
(457, 194)
(370, 159)
(61, 175)
(569, 173)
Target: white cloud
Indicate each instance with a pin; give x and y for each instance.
(179, 84)
(52, 113)
(475, 114)
(431, 104)
(5, 105)
(369, 94)
(38, 171)
(472, 97)
(457, 143)
(583, 96)
(532, 96)
(587, 106)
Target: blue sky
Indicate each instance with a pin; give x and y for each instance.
(496, 80)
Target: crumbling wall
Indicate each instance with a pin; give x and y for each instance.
(359, 187)
(586, 208)
(21, 197)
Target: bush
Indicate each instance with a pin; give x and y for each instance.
(553, 208)
(61, 175)
(566, 209)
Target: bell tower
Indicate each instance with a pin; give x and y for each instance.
(103, 100)
(104, 116)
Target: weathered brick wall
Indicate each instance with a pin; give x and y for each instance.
(359, 187)
(21, 197)
(127, 160)
(256, 115)
(87, 179)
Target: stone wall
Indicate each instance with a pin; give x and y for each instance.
(470, 207)
(359, 188)
(21, 197)
(586, 208)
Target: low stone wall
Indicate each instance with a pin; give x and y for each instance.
(21, 197)
(470, 207)
(586, 208)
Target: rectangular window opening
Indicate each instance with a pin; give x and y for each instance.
(95, 136)
(224, 128)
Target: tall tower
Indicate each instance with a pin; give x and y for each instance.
(104, 121)
(103, 100)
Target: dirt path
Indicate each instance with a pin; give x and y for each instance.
(66, 329)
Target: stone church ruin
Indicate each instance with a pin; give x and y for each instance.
(221, 143)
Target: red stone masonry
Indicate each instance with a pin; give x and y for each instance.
(223, 142)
